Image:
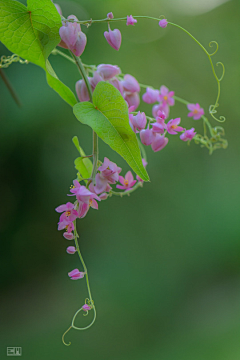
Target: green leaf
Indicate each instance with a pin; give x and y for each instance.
(63, 90)
(108, 117)
(85, 165)
(32, 32)
(81, 168)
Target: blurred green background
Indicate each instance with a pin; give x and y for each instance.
(164, 264)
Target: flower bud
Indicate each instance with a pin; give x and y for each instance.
(71, 250)
(86, 307)
(72, 36)
(110, 15)
(130, 84)
(163, 23)
(103, 196)
(146, 136)
(95, 80)
(114, 38)
(150, 96)
(76, 274)
(159, 126)
(159, 142)
(131, 20)
(132, 100)
(68, 235)
(82, 91)
(80, 44)
(139, 121)
(108, 71)
(160, 107)
(117, 84)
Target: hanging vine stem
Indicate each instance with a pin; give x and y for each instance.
(95, 162)
(212, 108)
(90, 300)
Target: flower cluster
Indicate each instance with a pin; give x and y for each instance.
(107, 175)
(128, 86)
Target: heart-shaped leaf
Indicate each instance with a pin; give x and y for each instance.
(108, 117)
(32, 32)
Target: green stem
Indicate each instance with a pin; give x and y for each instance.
(87, 282)
(58, 52)
(127, 192)
(83, 74)
(95, 137)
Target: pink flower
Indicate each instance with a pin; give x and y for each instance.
(159, 126)
(188, 135)
(159, 142)
(86, 307)
(131, 20)
(127, 182)
(102, 196)
(163, 23)
(146, 136)
(161, 108)
(130, 84)
(82, 193)
(196, 111)
(76, 274)
(172, 126)
(161, 115)
(72, 36)
(150, 96)
(83, 207)
(144, 164)
(166, 96)
(108, 71)
(117, 84)
(81, 88)
(66, 224)
(95, 80)
(110, 15)
(114, 38)
(132, 99)
(109, 174)
(69, 213)
(138, 121)
(71, 250)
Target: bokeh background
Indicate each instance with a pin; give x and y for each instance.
(164, 263)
